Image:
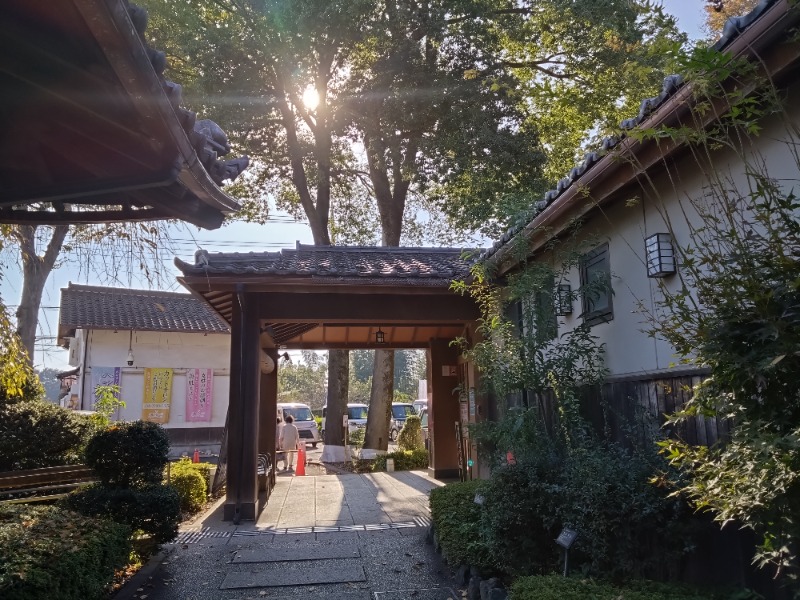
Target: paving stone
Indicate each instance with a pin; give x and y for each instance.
(290, 577)
(297, 553)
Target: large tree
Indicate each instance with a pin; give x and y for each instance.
(352, 104)
(338, 101)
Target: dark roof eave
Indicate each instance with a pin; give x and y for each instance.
(123, 48)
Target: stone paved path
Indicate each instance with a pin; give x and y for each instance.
(354, 537)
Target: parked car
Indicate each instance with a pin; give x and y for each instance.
(423, 416)
(356, 416)
(400, 411)
(419, 405)
(303, 420)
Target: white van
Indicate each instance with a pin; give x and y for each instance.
(356, 416)
(303, 420)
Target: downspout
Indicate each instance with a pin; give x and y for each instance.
(82, 365)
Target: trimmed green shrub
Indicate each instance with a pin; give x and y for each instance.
(556, 587)
(410, 437)
(518, 522)
(47, 552)
(152, 509)
(190, 480)
(404, 460)
(129, 454)
(456, 522)
(35, 433)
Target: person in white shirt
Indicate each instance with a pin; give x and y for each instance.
(289, 438)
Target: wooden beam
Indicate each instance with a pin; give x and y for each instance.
(389, 310)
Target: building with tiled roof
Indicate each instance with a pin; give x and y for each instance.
(121, 334)
(639, 200)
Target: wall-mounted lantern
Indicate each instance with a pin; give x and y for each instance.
(660, 255)
(380, 337)
(563, 299)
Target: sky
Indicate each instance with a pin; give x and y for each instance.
(237, 237)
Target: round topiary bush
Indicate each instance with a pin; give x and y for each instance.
(129, 454)
(190, 483)
(410, 437)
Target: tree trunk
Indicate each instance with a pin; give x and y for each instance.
(35, 271)
(380, 402)
(338, 380)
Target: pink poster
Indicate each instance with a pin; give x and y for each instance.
(199, 393)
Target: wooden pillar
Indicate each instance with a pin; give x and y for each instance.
(242, 480)
(268, 409)
(443, 410)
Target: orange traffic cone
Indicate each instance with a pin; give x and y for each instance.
(196, 456)
(301, 460)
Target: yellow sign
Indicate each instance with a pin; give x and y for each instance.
(157, 395)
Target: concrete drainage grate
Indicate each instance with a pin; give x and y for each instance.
(419, 594)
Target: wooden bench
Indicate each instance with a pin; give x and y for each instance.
(266, 473)
(43, 485)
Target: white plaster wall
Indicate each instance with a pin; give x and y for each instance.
(662, 205)
(178, 351)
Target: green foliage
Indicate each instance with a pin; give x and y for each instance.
(556, 587)
(520, 348)
(456, 523)
(410, 437)
(356, 438)
(736, 311)
(35, 433)
(129, 454)
(16, 377)
(191, 483)
(303, 382)
(50, 383)
(47, 552)
(129, 459)
(404, 460)
(628, 527)
(106, 404)
(152, 509)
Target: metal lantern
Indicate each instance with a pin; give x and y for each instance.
(563, 299)
(660, 255)
(380, 337)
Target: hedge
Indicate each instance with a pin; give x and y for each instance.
(48, 552)
(35, 434)
(456, 523)
(152, 509)
(556, 587)
(404, 460)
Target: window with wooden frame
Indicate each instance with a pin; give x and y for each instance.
(596, 290)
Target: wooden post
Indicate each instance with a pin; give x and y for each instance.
(443, 411)
(268, 410)
(242, 481)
